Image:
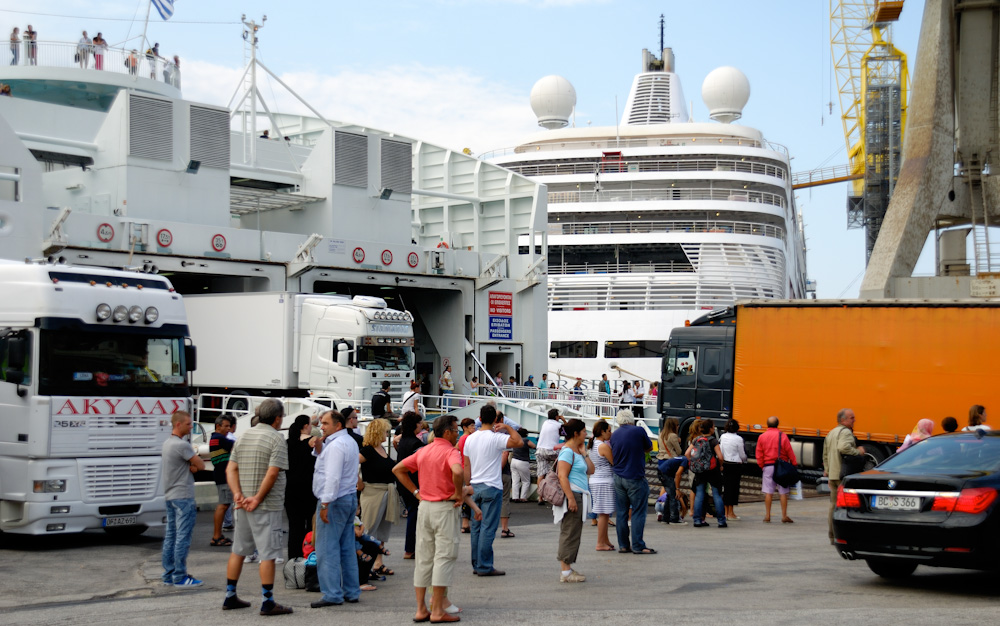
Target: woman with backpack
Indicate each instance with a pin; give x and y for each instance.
(734, 455)
(706, 460)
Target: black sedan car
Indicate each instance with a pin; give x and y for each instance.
(934, 503)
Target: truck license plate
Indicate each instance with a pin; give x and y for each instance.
(121, 520)
(896, 503)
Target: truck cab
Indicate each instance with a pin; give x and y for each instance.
(697, 374)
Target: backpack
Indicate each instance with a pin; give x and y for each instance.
(703, 457)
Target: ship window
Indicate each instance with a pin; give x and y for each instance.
(573, 349)
(651, 349)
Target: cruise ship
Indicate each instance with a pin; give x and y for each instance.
(656, 220)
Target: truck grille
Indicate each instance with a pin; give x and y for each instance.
(120, 480)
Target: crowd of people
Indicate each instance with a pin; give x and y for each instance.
(93, 52)
(342, 492)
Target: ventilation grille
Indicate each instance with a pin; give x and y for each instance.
(210, 137)
(350, 159)
(151, 128)
(397, 166)
(120, 480)
(651, 104)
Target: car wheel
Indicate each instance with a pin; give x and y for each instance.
(890, 568)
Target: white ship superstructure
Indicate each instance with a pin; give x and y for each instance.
(656, 220)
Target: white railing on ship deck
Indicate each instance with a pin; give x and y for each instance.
(633, 165)
(115, 60)
(705, 143)
(668, 193)
(656, 226)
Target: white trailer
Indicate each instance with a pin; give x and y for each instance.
(294, 345)
(93, 363)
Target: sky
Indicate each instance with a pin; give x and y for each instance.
(457, 73)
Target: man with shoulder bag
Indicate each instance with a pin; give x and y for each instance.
(841, 457)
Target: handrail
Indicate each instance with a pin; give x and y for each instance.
(667, 193)
(619, 268)
(90, 57)
(633, 165)
(642, 142)
(657, 226)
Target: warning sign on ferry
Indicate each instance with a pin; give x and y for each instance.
(501, 316)
(105, 232)
(218, 243)
(501, 303)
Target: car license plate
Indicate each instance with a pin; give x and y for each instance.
(896, 503)
(121, 520)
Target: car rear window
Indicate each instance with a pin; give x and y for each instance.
(961, 454)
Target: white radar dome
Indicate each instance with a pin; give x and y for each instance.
(725, 93)
(552, 100)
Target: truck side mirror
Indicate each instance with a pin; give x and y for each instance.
(17, 352)
(343, 354)
(191, 358)
(14, 376)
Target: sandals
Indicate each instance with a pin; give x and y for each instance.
(383, 571)
(506, 534)
(368, 587)
(221, 541)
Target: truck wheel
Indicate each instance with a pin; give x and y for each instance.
(239, 405)
(875, 455)
(891, 568)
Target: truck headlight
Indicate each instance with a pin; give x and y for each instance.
(55, 485)
(152, 315)
(120, 314)
(134, 314)
(103, 312)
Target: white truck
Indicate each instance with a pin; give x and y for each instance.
(93, 363)
(283, 344)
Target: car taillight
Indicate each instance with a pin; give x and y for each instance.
(975, 500)
(847, 498)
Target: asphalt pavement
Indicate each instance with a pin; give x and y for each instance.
(750, 573)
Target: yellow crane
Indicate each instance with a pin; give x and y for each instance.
(872, 79)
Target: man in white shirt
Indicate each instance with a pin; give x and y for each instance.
(335, 483)
(447, 385)
(483, 450)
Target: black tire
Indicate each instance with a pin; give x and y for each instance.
(875, 454)
(891, 569)
(239, 405)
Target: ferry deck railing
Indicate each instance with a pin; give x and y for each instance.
(633, 165)
(643, 142)
(114, 60)
(667, 194)
(657, 226)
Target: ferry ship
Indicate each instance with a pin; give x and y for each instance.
(656, 220)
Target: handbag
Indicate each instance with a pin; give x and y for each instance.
(550, 489)
(852, 464)
(295, 573)
(785, 474)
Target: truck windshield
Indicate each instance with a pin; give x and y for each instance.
(394, 358)
(77, 363)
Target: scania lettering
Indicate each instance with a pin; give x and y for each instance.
(293, 345)
(93, 363)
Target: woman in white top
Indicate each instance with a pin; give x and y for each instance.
(602, 490)
(546, 446)
(411, 402)
(734, 455)
(977, 419)
(628, 397)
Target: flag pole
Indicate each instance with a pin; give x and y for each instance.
(145, 42)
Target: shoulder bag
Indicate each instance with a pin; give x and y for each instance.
(550, 489)
(785, 473)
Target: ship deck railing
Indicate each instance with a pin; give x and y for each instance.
(644, 166)
(114, 60)
(641, 142)
(667, 194)
(674, 226)
(619, 268)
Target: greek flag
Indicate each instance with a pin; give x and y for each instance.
(165, 8)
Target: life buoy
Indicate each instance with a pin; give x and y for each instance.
(444, 245)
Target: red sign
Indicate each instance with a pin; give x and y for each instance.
(412, 259)
(164, 238)
(106, 232)
(386, 257)
(359, 255)
(218, 243)
(501, 303)
(119, 406)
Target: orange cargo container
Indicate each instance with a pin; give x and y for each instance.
(893, 364)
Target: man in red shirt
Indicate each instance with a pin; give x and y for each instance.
(771, 446)
(439, 466)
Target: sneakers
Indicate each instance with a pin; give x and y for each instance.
(701, 524)
(253, 558)
(233, 602)
(723, 525)
(189, 581)
(659, 517)
(573, 577)
(277, 561)
(679, 522)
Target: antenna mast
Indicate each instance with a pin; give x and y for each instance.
(661, 35)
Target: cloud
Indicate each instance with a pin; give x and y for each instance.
(446, 106)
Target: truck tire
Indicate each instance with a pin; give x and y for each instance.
(875, 453)
(891, 568)
(238, 406)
